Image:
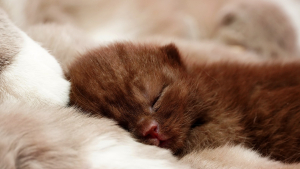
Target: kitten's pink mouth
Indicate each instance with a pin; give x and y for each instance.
(159, 141)
(154, 141)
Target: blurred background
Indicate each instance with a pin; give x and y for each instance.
(203, 29)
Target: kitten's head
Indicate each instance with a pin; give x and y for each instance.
(142, 87)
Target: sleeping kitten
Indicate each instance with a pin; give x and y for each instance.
(34, 135)
(51, 138)
(17, 120)
(149, 92)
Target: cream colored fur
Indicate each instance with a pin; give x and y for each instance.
(233, 157)
(34, 137)
(64, 42)
(51, 138)
(31, 74)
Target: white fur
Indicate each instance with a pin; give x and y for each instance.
(233, 157)
(34, 76)
(35, 137)
(126, 154)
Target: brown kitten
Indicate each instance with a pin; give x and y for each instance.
(148, 91)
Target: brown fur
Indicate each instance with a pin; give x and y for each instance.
(254, 105)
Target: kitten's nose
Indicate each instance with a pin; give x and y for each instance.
(151, 130)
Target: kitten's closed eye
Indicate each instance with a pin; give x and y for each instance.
(198, 122)
(157, 100)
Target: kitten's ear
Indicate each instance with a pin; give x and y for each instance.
(172, 53)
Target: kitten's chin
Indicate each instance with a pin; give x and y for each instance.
(165, 143)
(153, 141)
(159, 141)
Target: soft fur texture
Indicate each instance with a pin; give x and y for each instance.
(51, 138)
(148, 91)
(64, 42)
(35, 133)
(29, 72)
(170, 22)
(232, 157)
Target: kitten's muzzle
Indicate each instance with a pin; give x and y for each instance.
(153, 135)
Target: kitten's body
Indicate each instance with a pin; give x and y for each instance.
(148, 91)
(256, 105)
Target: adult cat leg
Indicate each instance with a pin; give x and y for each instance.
(28, 72)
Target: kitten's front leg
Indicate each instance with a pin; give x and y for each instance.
(28, 72)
